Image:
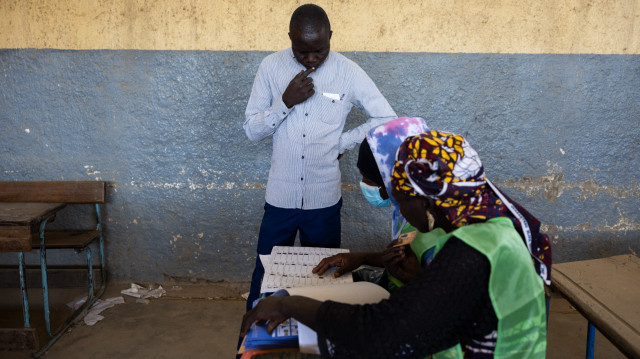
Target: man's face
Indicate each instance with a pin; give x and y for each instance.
(310, 45)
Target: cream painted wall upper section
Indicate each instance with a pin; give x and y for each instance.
(473, 26)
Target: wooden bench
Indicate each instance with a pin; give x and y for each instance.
(606, 291)
(25, 209)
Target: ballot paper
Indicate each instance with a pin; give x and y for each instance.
(284, 336)
(405, 239)
(349, 293)
(289, 267)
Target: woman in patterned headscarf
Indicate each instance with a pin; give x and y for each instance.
(443, 167)
(478, 296)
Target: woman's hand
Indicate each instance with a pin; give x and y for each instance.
(275, 310)
(269, 309)
(346, 262)
(401, 262)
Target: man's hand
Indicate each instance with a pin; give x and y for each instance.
(401, 262)
(299, 89)
(346, 262)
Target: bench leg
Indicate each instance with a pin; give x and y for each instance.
(23, 291)
(91, 298)
(45, 283)
(89, 273)
(591, 340)
(103, 272)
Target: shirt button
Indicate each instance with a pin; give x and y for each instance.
(334, 101)
(304, 135)
(301, 179)
(303, 157)
(306, 114)
(284, 113)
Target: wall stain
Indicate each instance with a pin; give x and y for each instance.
(623, 225)
(554, 186)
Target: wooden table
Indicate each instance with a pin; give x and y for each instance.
(607, 292)
(20, 224)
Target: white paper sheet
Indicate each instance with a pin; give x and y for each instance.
(266, 261)
(350, 293)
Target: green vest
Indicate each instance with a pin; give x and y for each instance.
(515, 289)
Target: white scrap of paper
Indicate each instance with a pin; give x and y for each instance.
(333, 96)
(138, 291)
(93, 315)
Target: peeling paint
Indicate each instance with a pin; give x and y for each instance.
(350, 187)
(195, 186)
(253, 186)
(90, 170)
(554, 186)
(623, 225)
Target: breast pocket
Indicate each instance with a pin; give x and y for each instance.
(335, 107)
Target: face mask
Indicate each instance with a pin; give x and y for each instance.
(372, 194)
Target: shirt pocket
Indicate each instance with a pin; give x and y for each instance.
(335, 107)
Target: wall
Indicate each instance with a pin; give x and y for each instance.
(150, 97)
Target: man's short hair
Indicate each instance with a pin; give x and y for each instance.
(311, 13)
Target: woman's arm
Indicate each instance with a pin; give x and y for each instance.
(276, 310)
(448, 302)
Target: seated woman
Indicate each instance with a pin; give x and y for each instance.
(376, 158)
(375, 163)
(478, 297)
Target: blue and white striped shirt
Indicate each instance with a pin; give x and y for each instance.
(308, 137)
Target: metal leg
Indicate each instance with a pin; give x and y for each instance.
(103, 272)
(23, 290)
(45, 283)
(591, 340)
(91, 299)
(89, 273)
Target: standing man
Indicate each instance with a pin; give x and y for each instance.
(301, 96)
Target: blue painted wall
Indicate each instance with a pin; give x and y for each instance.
(559, 133)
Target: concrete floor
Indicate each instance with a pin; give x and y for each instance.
(202, 320)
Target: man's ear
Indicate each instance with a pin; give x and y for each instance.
(290, 36)
(330, 33)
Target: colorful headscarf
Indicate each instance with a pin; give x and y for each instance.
(384, 141)
(444, 167)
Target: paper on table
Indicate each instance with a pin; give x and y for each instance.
(350, 293)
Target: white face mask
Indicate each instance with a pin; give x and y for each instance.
(372, 194)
